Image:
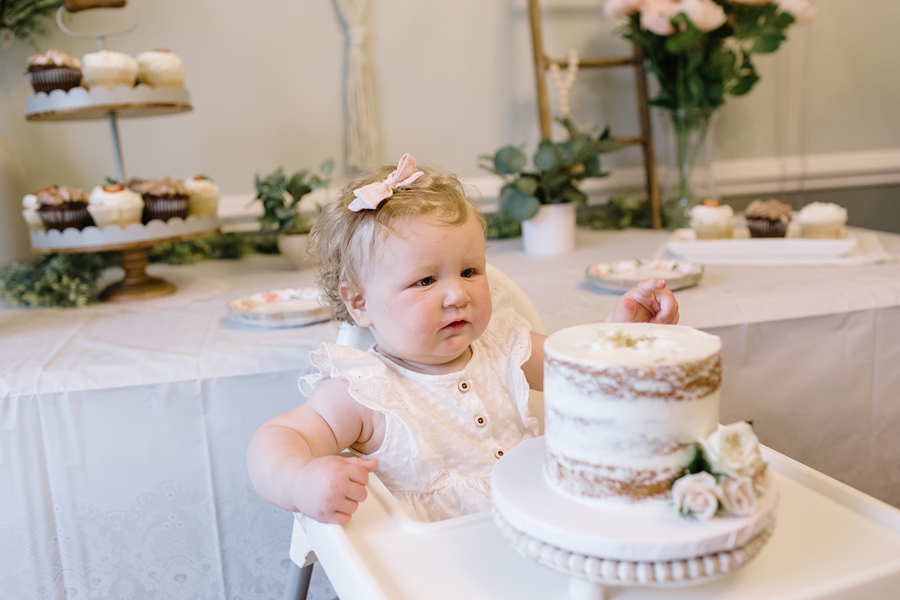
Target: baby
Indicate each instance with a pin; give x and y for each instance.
(433, 404)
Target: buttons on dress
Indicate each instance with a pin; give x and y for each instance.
(464, 386)
(480, 421)
(498, 453)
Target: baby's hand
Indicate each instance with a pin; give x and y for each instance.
(649, 301)
(332, 487)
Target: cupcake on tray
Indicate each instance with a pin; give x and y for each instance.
(163, 198)
(108, 69)
(204, 196)
(712, 220)
(63, 207)
(30, 205)
(160, 68)
(822, 220)
(115, 204)
(767, 218)
(53, 70)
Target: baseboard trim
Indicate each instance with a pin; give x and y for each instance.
(733, 178)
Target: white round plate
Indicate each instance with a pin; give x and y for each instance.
(287, 307)
(622, 275)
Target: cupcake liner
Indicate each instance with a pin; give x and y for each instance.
(202, 206)
(47, 80)
(104, 215)
(34, 221)
(822, 230)
(168, 78)
(713, 231)
(764, 228)
(109, 76)
(165, 208)
(130, 213)
(63, 218)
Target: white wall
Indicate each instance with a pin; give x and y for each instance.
(454, 80)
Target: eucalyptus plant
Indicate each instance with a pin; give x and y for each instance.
(280, 196)
(26, 19)
(557, 170)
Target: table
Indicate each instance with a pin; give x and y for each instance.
(123, 427)
(830, 542)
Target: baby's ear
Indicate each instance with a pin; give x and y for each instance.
(355, 302)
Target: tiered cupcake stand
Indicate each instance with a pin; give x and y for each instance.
(133, 241)
(600, 548)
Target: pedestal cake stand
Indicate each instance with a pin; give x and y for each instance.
(599, 547)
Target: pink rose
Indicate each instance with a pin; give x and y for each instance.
(656, 16)
(696, 495)
(738, 496)
(621, 8)
(706, 15)
(801, 10)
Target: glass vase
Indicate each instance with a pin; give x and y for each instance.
(689, 176)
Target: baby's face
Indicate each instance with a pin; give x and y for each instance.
(426, 294)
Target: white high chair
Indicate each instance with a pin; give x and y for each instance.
(359, 337)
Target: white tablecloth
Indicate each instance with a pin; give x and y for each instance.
(123, 427)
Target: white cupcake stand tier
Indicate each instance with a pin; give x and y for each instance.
(616, 547)
(132, 243)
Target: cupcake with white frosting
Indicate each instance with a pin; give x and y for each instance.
(712, 220)
(30, 205)
(822, 220)
(115, 204)
(160, 68)
(108, 69)
(204, 194)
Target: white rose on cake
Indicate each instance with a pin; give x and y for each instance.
(733, 450)
(696, 495)
(738, 496)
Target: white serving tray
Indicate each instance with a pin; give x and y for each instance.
(113, 235)
(83, 104)
(684, 244)
(621, 275)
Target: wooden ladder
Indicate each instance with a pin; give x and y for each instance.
(542, 62)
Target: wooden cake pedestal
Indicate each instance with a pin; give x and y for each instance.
(600, 547)
(132, 244)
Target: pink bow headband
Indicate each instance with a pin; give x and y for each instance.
(370, 196)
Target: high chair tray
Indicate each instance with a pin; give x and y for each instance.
(831, 541)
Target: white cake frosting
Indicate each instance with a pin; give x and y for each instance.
(703, 213)
(624, 407)
(822, 212)
(121, 197)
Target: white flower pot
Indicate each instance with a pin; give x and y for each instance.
(292, 247)
(550, 231)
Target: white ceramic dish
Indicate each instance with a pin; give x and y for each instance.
(288, 307)
(684, 244)
(622, 275)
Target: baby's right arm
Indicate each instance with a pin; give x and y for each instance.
(292, 457)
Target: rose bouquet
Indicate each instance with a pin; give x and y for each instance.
(699, 52)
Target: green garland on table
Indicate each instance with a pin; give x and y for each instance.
(616, 213)
(70, 280)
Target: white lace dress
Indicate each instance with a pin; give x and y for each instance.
(443, 433)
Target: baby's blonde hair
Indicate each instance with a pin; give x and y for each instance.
(341, 241)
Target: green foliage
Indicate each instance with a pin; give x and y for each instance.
(222, 246)
(280, 197)
(26, 19)
(501, 227)
(697, 69)
(616, 213)
(559, 167)
(698, 462)
(61, 280)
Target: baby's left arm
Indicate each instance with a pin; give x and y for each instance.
(649, 301)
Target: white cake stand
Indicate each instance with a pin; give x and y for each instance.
(601, 547)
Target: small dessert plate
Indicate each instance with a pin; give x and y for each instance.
(288, 307)
(622, 275)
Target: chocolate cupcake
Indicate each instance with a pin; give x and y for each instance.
(63, 207)
(767, 218)
(53, 70)
(163, 198)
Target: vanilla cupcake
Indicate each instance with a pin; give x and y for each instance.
(108, 69)
(712, 220)
(822, 220)
(204, 195)
(160, 68)
(30, 205)
(115, 204)
(53, 70)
